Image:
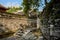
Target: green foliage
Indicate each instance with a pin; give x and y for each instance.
(11, 10)
(30, 4)
(26, 5)
(35, 4)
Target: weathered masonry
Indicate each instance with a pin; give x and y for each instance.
(12, 21)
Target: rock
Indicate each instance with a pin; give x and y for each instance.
(4, 32)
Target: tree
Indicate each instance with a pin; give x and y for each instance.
(50, 9)
(26, 6)
(29, 4)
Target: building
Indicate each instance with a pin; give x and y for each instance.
(2, 8)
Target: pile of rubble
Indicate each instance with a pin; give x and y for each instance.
(27, 34)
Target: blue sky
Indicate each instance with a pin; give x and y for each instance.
(9, 3)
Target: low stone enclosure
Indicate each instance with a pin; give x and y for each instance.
(12, 21)
(15, 21)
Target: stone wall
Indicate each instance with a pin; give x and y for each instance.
(12, 23)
